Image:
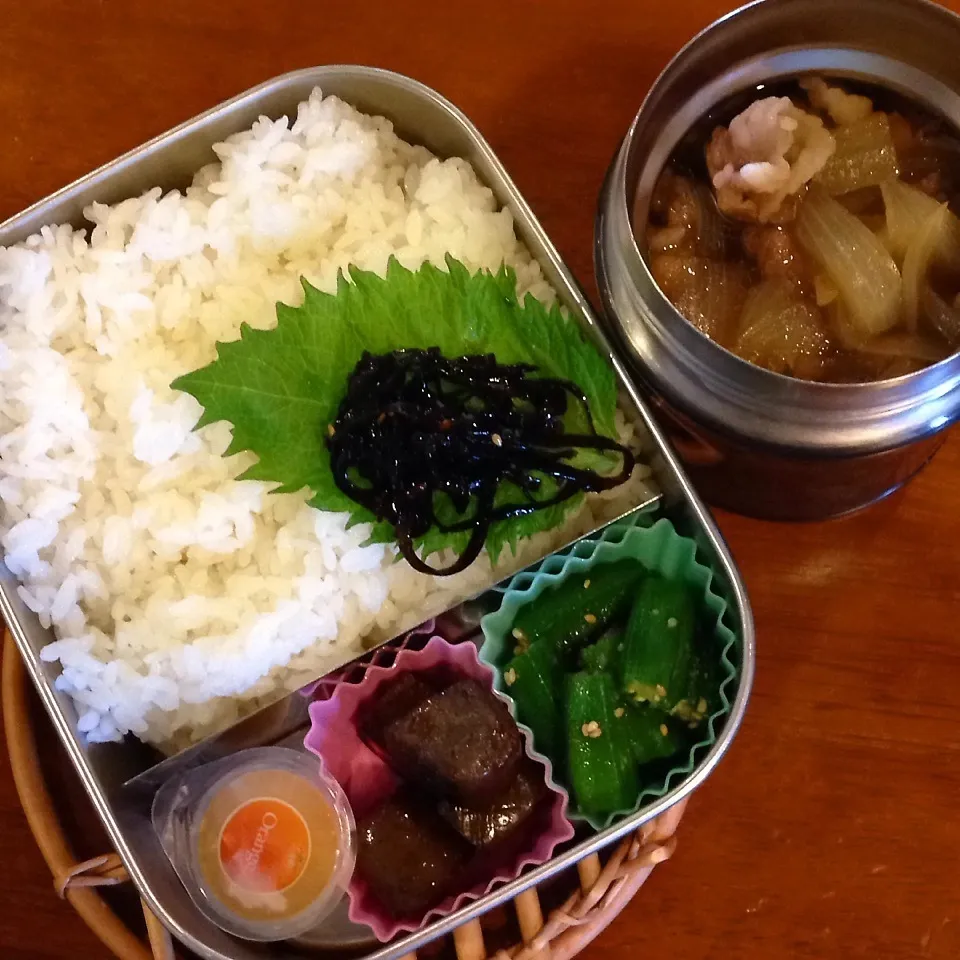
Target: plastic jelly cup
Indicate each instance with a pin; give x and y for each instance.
(264, 841)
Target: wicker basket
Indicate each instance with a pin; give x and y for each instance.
(598, 892)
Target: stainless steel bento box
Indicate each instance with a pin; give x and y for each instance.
(120, 778)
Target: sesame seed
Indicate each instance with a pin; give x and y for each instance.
(590, 618)
(661, 690)
(619, 712)
(497, 439)
(701, 705)
(664, 729)
(331, 430)
(510, 677)
(517, 634)
(672, 622)
(586, 584)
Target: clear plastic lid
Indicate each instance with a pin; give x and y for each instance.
(264, 841)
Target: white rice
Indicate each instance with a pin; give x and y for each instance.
(182, 597)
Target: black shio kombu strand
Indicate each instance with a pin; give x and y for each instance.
(415, 425)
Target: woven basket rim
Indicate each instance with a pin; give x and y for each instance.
(604, 889)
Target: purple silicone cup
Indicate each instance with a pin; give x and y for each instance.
(366, 779)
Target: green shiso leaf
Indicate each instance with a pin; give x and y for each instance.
(281, 388)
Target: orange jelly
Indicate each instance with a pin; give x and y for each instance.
(269, 842)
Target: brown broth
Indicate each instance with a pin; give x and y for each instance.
(762, 290)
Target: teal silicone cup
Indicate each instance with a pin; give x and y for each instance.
(661, 550)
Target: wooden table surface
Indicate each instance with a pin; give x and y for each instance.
(831, 829)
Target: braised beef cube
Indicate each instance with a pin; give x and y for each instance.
(461, 743)
(409, 858)
(393, 700)
(501, 819)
